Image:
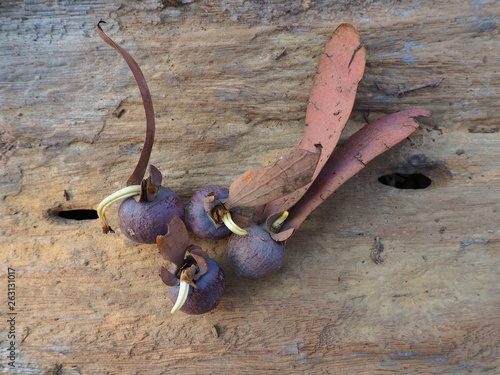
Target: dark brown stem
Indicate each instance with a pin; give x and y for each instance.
(140, 169)
(370, 141)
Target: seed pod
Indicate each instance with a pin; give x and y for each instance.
(143, 221)
(207, 294)
(195, 282)
(256, 254)
(200, 214)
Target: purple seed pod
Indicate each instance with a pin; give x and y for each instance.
(143, 221)
(201, 213)
(256, 254)
(195, 282)
(207, 294)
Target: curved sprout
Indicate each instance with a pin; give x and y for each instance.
(232, 226)
(126, 192)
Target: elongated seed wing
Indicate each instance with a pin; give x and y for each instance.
(340, 68)
(259, 186)
(173, 244)
(370, 141)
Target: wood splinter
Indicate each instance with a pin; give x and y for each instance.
(417, 86)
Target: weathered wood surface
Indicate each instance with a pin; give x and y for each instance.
(228, 99)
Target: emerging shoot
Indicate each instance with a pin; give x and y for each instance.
(232, 226)
(277, 224)
(126, 192)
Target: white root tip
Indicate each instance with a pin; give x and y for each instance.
(126, 192)
(181, 297)
(232, 226)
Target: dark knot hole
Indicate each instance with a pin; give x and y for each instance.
(78, 214)
(406, 180)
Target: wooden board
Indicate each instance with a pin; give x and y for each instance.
(228, 99)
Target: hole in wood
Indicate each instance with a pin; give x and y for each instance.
(405, 180)
(78, 214)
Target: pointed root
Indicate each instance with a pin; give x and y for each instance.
(181, 297)
(126, 192)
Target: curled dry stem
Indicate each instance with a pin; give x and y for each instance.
(140, 169)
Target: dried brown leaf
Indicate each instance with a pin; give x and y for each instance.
(260, 186)
(340, 68)
(173, 244)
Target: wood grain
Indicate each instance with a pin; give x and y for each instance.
(227, 99)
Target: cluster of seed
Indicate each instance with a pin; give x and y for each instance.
(281, 195)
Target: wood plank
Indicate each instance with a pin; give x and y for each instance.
(227, 99)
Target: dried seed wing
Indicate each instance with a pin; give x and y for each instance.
(168, 278)
(198, 251)
(155, 175)
(260, 186)
(282, 236)
(151, 186)
(372, 140)
(340, 68)
(209, 201)
(200, 257)
(173, 244)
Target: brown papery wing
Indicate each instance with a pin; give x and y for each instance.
(363, 146)
(259, 186)
(340, 68)
(173, 244)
